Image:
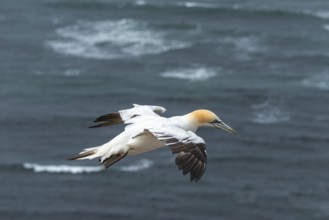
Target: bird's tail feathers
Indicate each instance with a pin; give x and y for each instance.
(88, 153)
(94, 152)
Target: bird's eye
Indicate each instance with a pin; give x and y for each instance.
(215, 121)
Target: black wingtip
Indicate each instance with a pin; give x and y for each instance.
(82, 155)
(75, 157)
(71, 158)
(108, 123)
(109, 117)
(95, 126)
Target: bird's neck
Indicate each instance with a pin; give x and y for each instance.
(186, 123)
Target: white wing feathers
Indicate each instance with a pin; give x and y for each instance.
(126, 116)
(141, 110)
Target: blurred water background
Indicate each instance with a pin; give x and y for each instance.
(262, 65)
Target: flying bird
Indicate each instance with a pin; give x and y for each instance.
(146, 130)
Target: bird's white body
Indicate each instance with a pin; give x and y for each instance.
(146, 131)
(129, 141)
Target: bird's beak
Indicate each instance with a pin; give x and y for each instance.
(225, 127)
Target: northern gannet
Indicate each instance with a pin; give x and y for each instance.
(146, 130)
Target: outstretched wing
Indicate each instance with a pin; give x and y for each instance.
(124, 116)
(190, 149)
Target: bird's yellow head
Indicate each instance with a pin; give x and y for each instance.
(207, 118)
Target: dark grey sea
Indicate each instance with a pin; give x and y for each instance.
(261, 65)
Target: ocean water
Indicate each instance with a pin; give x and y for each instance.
(262, 66)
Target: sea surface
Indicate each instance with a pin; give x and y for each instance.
(261, 65)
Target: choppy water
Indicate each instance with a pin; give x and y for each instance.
(263, 66)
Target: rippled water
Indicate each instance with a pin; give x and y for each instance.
(261, 65)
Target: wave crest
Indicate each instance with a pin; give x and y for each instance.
(138, 166)
(38, 168)
(269, 113)
(326, 27)
(322, 14)
(199, 5)
(191, 74)
(319, 81)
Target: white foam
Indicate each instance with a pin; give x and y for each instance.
(39, 73)
(112, 39)
(62, 168)
(322, 14)
(326, 27)
(72, 73)
(138, 166)
(199, 5)
(318, 81)
(67, 73)
(269, 113)
(245, 46)
(191, 74)
(140, 2)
